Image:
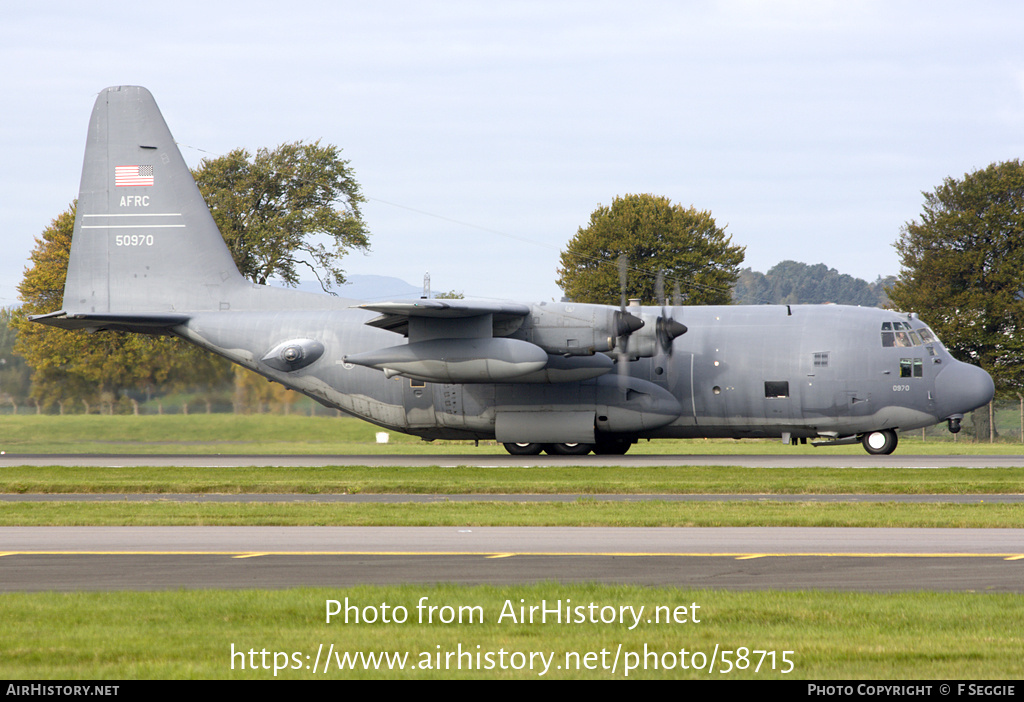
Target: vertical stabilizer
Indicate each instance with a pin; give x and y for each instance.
(144, 239)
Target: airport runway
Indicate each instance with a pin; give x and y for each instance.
(144, 558)
(101, 558)
(802, 457)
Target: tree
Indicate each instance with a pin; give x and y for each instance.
(655, 235)
(790, 282)
(275, 209)
(14, 373)
(963, 269)
(94, 368)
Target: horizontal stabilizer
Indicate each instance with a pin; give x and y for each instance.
(139, 323)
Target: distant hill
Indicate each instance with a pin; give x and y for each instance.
(794, 283)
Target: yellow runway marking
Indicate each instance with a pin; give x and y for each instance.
(491, 554)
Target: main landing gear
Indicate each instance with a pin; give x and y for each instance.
(524, 449)
(880, 443)
(614, 447)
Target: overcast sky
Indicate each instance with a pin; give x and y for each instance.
(485, 133)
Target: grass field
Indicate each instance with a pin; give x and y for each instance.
(813, 635)
(189, 634)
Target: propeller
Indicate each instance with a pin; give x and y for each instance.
(625, 322)
(667, 328)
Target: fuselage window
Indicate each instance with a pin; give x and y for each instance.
(776, 388)
(911, 368)
(821, 360)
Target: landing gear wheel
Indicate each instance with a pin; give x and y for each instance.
(569, 449)
(524, 449)
(880, 443)
(612, 448)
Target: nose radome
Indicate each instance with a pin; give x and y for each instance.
(961, 387)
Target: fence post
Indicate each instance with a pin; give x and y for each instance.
(991, 423)
(1021, 398)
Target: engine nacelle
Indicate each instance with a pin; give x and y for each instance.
(570, 329)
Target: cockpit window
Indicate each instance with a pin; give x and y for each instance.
(898, 338)
(900, 334)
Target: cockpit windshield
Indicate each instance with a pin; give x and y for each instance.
(901, 334)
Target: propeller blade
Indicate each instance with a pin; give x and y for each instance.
(623, 275)
(625, 322)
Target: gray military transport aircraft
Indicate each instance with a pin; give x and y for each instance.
(147, 257)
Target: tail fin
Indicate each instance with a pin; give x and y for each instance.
(144, 242)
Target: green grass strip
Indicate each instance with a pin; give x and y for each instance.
(542, 480)
(583, 512)
(191, 634)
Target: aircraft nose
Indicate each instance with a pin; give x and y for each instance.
(961, 387)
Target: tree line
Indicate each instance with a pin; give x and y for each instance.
(794, 283)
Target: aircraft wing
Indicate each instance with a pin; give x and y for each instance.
(395, 316)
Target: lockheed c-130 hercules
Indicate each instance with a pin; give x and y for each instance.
(147, 257)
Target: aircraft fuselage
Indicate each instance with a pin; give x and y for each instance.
(799, 371)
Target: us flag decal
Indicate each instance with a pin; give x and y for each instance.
(133, 176)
